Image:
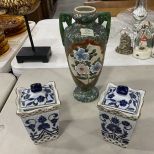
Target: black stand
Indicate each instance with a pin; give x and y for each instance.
(33, 53)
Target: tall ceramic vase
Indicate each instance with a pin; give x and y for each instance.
(85, 44)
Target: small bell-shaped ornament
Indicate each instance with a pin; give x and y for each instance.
(125, 46)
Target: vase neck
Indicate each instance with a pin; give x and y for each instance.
(84, 14)
(141, 3)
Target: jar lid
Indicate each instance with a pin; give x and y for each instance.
(122, 99)
(37, 97)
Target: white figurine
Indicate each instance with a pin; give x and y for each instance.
(143, 41)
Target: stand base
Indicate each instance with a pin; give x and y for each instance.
(42, 54)
(86, 96)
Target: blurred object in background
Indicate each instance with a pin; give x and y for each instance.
(12, 25)
(4, 46)
(116, 6)
(31, 8)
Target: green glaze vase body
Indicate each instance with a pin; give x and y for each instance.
(85, 44)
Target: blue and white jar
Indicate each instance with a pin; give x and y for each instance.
(38, 108)
(119, 109)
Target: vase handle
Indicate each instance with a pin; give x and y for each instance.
(105, 16)
(67, 18)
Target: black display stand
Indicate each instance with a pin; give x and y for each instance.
(33, 53)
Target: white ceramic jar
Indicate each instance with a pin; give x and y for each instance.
(38, 108)
(119, 109)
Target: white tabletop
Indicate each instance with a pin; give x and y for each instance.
(7, 82)
(15, 43)
(46, 32)
(79, 122)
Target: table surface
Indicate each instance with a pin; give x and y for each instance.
(79, 122)
(15, 43)
(7, 82)
(46, 32)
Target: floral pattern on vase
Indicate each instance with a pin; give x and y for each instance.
(115, 129)
(86, 63)
(43, 127)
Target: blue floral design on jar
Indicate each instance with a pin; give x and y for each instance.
(114, 128)
(81, 55)
(115, 120)
(31, 123)
(43, 124)
(105, 116)
(123, 103)
(127, 125)
(96, 67)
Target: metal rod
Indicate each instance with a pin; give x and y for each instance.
(29, 33)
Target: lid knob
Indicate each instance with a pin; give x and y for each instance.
(122, 90)
(36, 87)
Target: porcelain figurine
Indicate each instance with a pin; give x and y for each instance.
(38, 108)
(85, 44)
(125, 46)
(143, 41)
(119, 110)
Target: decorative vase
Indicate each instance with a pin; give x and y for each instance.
(85, 44)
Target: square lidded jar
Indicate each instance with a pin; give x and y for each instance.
(119, 109)
(38, 107)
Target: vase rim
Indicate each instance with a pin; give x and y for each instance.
(84, 9)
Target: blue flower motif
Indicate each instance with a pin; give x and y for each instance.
(43, 126)
(105, 116)
(42, 119)
(96, 67)
(81, 55)
(111, 96)
(132, 95)
(115, 120)
(125, 123)
(114, 128)
(32, 127)
(123, 103)
(40, 98)
(31, 123)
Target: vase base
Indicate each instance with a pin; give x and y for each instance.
(86, 96)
